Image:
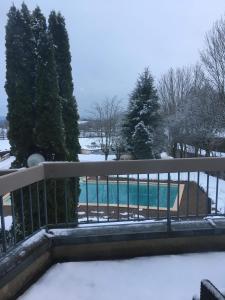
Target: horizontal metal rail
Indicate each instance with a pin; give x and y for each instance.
(104, 168)
(8, 171)
(21, 178)
(24, 177)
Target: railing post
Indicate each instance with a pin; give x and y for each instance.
(2, 225)
(45, 204)
(168, 205)
(66, 201)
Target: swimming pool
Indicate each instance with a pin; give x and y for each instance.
(152, 195)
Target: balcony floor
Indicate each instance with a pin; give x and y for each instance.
(157, 277)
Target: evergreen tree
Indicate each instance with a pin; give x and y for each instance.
(20, 88)
(142, 141)
(57, 28)
(20, 83)
(49, 128)
(35, 109)
(142, 118)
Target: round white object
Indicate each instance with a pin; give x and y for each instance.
(35, 159)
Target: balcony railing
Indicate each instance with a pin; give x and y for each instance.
(125, 191)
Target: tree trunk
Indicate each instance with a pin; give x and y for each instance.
(196, 151)
(106, 154)
(181, 150)
(174, 150)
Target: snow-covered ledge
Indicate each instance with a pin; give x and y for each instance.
(25, 263)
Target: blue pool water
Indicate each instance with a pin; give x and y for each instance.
(122, 193)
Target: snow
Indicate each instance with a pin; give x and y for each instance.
(171, 277)
(212, 186)
(85, 143)
(202, 183)
(34, 238)
(94, 157)
(6, 164)
(164, 155)
(8, 223)
(191, 149)
(82, 122)
(4, 145)
(90, 143)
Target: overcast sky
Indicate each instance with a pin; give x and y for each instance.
(112, 41)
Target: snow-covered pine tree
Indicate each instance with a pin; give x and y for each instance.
(142, 141)
(19, 84)
(143, 117)
(57, 28)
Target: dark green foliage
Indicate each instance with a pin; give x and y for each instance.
(57, 29)
(49, 134)
(142, 141)
(143, 111)
(42, 111)
(20, 83)
(60, 38)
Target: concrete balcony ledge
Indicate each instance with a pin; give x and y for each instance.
(122, 241)
(25, 263)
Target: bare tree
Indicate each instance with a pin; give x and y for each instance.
(200, 117)
(118, 145)
(176, 88)
(106, 117)
(213, 57)
(173, 88)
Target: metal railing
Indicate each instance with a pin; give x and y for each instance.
(156, 190)
(210, 292)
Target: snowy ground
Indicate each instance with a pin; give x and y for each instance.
(86, 143)
(4, 145)
(89, 143)
(172, 277)
(191, 149)
(94, 157)
(6, 164)
(202, 183)
(8, 222)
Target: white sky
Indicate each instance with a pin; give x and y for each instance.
(112, 41)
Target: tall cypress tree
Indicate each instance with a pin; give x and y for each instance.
(20, 88)
(20, 83)
(49, 129)
(35, 108)
(57, 28)
(142, 118)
